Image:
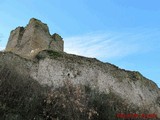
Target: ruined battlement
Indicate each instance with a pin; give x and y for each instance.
(29, 40)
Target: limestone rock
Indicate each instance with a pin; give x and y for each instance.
(51, 69)
(29, 40)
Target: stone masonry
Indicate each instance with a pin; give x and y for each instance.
(28, 41)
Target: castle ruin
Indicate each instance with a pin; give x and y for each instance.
(29, 40)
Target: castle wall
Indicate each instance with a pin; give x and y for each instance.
(33, 38)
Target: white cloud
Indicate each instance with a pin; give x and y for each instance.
(2, 48)
(104, 45)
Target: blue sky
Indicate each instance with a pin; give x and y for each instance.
(123, 32)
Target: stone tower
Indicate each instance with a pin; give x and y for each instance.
(29, 40)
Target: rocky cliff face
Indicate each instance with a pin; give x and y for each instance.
(109, 89)
(29, 40)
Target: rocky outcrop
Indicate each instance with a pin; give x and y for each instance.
(106, 78)
(36, 88)
(29, 40)
(52, 69)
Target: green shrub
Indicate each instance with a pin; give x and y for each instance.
(54, 54)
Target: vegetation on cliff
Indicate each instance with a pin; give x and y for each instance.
(22, 98)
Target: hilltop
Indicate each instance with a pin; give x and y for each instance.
(38, 80)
